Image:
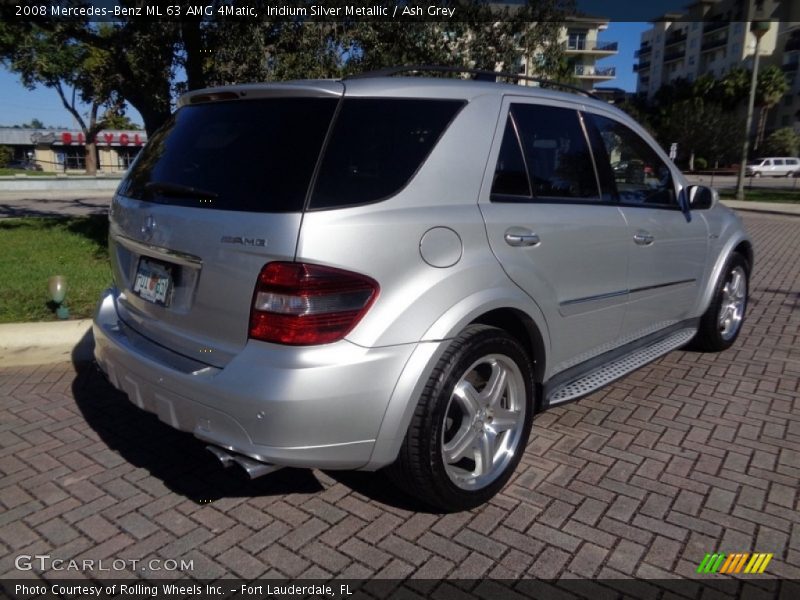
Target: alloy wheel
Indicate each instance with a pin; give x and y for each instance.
(484, 421)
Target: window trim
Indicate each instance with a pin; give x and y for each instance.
(658, 152)
(517, 199)
(506, 111)
(485, 196)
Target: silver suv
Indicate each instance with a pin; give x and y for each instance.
(401, 271)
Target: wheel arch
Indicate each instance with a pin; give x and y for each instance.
(515, 313)
(740, 244)
(524, 329)
(745, 248)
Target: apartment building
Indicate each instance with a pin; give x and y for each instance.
(583, 48)
(713, 37)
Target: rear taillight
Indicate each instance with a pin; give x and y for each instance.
(302, 304)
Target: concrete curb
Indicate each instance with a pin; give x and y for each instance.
(25, 344)
(772, 208)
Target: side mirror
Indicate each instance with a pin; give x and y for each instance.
(701, 197)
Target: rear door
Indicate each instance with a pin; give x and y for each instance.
(218, 192)
(556, 234)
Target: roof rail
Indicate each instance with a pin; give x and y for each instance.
(480, 75)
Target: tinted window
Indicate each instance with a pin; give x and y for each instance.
(777, 162)
(510, 177)
(556, 152)
(641, 177)
(376, 147)
(253, 155)
(602, 161)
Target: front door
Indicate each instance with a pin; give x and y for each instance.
(666, 245)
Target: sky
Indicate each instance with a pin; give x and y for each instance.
(19, 105)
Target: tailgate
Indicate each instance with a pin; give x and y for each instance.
(217, 193)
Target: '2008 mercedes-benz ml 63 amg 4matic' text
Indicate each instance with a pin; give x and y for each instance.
(401, 271)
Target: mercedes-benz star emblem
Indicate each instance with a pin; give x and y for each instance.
(149, 227)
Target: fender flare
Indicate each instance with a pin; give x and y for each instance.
(722, 259)
(426, 355)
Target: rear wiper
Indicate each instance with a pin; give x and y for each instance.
(177, 189)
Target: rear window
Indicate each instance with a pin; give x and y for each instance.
(376, 146)
(249, 155)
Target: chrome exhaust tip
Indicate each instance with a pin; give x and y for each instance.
(252, 467)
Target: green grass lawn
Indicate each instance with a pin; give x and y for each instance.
(7, 171)
(790, 196)
(35, 248)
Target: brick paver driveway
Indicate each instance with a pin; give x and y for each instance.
(692, 454)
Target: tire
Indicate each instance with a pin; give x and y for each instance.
(722, 322)
(471, 423)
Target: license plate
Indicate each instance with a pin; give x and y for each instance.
(153, 281)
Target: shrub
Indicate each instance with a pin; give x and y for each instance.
(781, 142)
(5, 155)
(700, 163)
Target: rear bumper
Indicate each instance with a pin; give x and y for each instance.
(316, 406)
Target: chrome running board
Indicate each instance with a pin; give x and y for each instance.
(618, 368)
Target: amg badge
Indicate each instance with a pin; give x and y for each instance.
(243, 241)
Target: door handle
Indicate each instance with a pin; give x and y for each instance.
(643, 238)
(520, 237)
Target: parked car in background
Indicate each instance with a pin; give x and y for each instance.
(383, 272)
(784, 166)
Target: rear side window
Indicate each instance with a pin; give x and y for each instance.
(248, 155)
(510, 181)
(376, 146)
(556, 152)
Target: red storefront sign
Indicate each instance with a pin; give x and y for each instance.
(121, 139)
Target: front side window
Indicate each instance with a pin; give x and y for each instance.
(640, 176)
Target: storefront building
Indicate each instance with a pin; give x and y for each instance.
(63, 151)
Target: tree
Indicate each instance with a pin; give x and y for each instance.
(772, 85)
(733, 89)
(782, 142)
(143, 57)
(115, 120)
(701, 116)
(5, 155)
(75, 71)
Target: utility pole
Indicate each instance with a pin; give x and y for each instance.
(758, 29)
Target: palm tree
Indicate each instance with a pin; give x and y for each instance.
(772, 86)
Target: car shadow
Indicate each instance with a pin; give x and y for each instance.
(182, 462)
(378, 487)
(176, 458)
